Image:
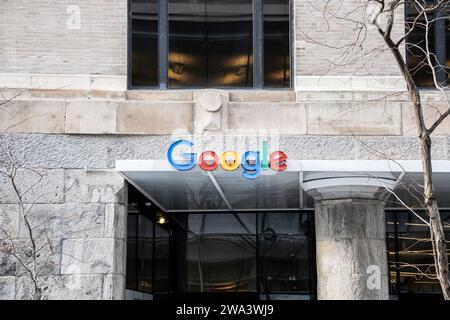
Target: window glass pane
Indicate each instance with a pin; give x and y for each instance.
(285, 252)
(417, 46)
(162, 259)
(276, 43)
(411, 263)
(144, 56)
(447, 42)
(145, 254)
(187, 66)
(221, 257)
(210, 43)
(131, 250)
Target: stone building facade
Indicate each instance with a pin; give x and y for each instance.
(76, 116)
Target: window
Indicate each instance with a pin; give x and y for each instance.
(285, 252)
(417, 42)
(410, 255)
(144, 43)
(210, 43)
(266, 255)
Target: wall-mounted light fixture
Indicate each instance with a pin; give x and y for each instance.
(161, 218)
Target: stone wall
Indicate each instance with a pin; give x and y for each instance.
(328, 41)
(35, 38)
(78, 223)
(369, 113)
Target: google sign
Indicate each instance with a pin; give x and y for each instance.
(252, 162)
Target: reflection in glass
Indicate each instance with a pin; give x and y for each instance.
(411, 263)
(276, 43)
(284, 252)
(144, 28)
(447, 44)
(162, 261)
(210, 43)
(132, 273)
(221, 253)
(218, 252)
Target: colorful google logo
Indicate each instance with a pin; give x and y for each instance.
(252, 162)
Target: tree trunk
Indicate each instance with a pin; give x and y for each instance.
(436, 228)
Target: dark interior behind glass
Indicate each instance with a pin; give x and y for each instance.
(411, 263)
(210, 43)
(144, 40)
(277, 71)
(265, 254)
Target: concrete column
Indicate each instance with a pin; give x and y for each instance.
(351, 250)
(350, 235)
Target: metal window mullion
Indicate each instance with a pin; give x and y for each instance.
(129, 42)
(258, 43)
(163, 43)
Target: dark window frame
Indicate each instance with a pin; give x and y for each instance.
(163, 49)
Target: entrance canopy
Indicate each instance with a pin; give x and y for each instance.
(220, 190)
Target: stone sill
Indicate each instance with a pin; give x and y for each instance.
(234, 95)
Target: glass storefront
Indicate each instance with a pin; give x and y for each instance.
(259, 255)
(266, 255)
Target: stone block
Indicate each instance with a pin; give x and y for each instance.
(60, 81)
(15, 80)
(262, 96)
(62, 287)
(35, 186)
(114, 287)
(7, 288)
(324, 96)
(349, 83)
(59, 94)
(89, 117)
(354, 118)
(86, 256)
(108, 95)
(161, 95)
(94, 186)
(36, 116)
(283, 118)
(67, 220)
(116, 221)
(432, 111)
(58, 150)
(109, 83)
(8, 263)
(9, 220)
(47, 259)
(138, 117)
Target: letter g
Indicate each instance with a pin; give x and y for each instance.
(188, 156)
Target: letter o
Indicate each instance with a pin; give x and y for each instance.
(204, 165)
(230, 167)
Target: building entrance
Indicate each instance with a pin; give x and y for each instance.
(263, 255)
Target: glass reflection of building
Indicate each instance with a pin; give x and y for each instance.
(265, 255)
